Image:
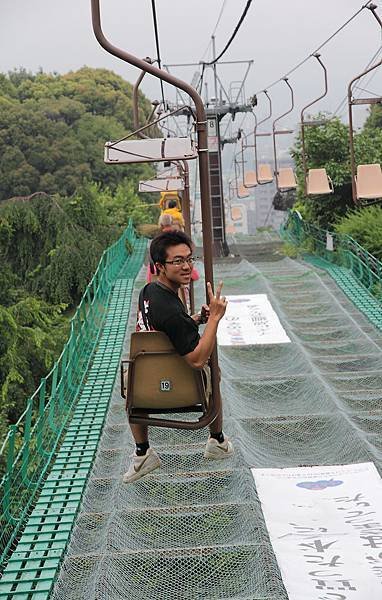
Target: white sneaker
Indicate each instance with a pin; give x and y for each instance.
(218, 451)
(141, 465)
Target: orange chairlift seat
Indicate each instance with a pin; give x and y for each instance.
(369, 181)
(242, 192)
(250, 179)
(171, 387)
(286, 179)
(318, 182)
(264, 174)
(236, 213)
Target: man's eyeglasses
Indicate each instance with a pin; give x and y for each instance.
(178, 262)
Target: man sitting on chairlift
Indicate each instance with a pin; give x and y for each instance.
(171, 253)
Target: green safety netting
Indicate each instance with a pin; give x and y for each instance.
(29, 450)
(194, 529)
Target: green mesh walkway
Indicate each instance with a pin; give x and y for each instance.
(194, 529)
(350, 285)
(33, 565)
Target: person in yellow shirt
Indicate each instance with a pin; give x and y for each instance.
(173, 210)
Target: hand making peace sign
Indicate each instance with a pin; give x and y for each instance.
(217, 303)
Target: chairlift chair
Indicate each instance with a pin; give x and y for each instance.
(263, 171)
(149, 150)
(367, 178)
(250, 179)
(369, 182)
(157, 380)
(316, 181)
(285, 177)
(242, 192)
(142, 349)
(264, 174)
(236, 213)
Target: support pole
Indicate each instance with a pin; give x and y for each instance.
(201, 128)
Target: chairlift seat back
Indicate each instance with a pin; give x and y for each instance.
(265, 174)
(150, 150)
(250, 179)
(318, 182)
(286, 179)
(158, 378)
(369, 181)
(168, 184)
(236, 213)
(242, 192)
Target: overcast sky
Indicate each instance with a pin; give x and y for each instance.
(57, 36)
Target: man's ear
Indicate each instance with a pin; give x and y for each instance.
(159, 268)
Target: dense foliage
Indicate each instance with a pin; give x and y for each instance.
(60, 207)
(365, 226)
(53, 128)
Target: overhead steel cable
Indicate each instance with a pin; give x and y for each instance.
(215, 28)
(155, 22)
(317, 49)
(249, 2)
(344, 101)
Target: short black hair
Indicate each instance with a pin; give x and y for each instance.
(159, 245)
(172, 204)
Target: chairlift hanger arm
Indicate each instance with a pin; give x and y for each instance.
(201, 128)
(318, 57)
(303, 149)
(274, 132)
(255, 133)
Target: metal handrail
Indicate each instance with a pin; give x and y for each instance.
(347, 252)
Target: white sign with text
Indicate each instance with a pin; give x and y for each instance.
(250, 320)
(325, 526)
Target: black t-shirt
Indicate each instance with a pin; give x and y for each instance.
(164, 311)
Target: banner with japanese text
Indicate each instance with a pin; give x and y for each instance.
(250, 320)
(325, 526)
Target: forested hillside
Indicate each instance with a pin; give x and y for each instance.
(60, 207)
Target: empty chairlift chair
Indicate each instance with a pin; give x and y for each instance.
(265, 174)
(318, 182)
(242, 192)
(369, 182)
(157, 380)
(236, 213)
(250, 179)
(286, 179)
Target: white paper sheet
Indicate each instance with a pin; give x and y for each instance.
(250, 319)
(325, 526)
